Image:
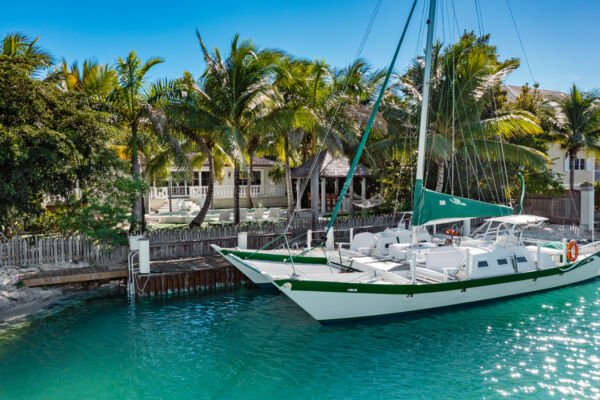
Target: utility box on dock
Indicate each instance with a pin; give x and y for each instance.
(133, 242)
(144, 257)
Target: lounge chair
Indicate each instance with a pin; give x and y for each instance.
(274, 214)
(224, 217)
(258, 215)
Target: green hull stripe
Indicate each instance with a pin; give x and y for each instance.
(342, 287)
(250, 255)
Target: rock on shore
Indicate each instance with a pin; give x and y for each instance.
(17, 300)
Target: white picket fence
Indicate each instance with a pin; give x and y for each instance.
(57, 250)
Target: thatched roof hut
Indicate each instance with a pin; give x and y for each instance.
(330, 167)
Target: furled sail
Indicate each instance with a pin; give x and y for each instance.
(433, 207)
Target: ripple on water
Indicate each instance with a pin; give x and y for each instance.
(252, 345)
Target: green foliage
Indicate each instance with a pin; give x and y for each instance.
(44, 223)
(103, 210)
(277, 173)
(49, 140)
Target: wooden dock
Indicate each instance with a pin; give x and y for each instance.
(176, 276)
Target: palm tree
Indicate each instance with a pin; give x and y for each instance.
(191, 118)
(131, 105)
(290, 112)
(236, 86)
(578, 125)
(92, 79)
(463, 113)
(19, 44)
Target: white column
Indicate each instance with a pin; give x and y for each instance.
(587, 206)
(466, 227)
(323, 204)
(243, 240)
(329, 244)
(363, 189)
(337, 186)
(298, 194)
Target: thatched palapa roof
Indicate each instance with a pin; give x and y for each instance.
(330, 167)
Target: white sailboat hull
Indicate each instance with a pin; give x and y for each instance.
(336, 304)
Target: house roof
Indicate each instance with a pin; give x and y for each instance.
(512, 92)
(330, 167)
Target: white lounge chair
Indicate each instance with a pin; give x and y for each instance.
(273, 214)
(258, 215)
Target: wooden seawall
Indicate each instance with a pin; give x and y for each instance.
(189, 275)
(167, 277)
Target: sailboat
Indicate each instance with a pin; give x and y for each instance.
(495, 262)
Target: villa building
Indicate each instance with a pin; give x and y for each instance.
(585, 164)
(189, 193)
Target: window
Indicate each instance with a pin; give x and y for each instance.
(256, 181)
(196, 181)
(521, 259)
(579, 164)
(502, 261)
(205, 175)
(482, 264)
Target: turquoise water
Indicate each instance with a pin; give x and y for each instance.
(250, 345)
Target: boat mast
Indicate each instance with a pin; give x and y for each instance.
(424, 112)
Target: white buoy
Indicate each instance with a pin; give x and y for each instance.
(539, 257)
(329, 244)
(308, 238)
(243, 240)
(351, 235)
(144, 258)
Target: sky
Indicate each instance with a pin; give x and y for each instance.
(561, 38)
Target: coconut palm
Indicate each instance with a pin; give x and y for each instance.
(91, 79)
(19, 44)
(464, 122)
(131, 104)
(290, 114)
(190, 117)
(578, 125)
(236, 86)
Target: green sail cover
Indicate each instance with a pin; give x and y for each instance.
(442, 208)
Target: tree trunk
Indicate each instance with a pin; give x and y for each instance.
(314, 195)
(288, 175)
(236, 194)
(440, 176)
(136, 210)
(170, 193)
(250, 181)
(351, 195)
(199, 219)
(571, 170)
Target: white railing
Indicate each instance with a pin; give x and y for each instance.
(221, 191)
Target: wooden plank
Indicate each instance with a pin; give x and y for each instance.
(74, 278)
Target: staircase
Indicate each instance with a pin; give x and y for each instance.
(179, 205)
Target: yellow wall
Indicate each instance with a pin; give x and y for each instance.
(557, 155)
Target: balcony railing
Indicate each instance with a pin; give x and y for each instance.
(221, 191)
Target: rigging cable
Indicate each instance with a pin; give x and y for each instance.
(520, 41)
(330, 121)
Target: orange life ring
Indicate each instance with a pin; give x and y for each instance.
(451, 232)
(572, 251)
